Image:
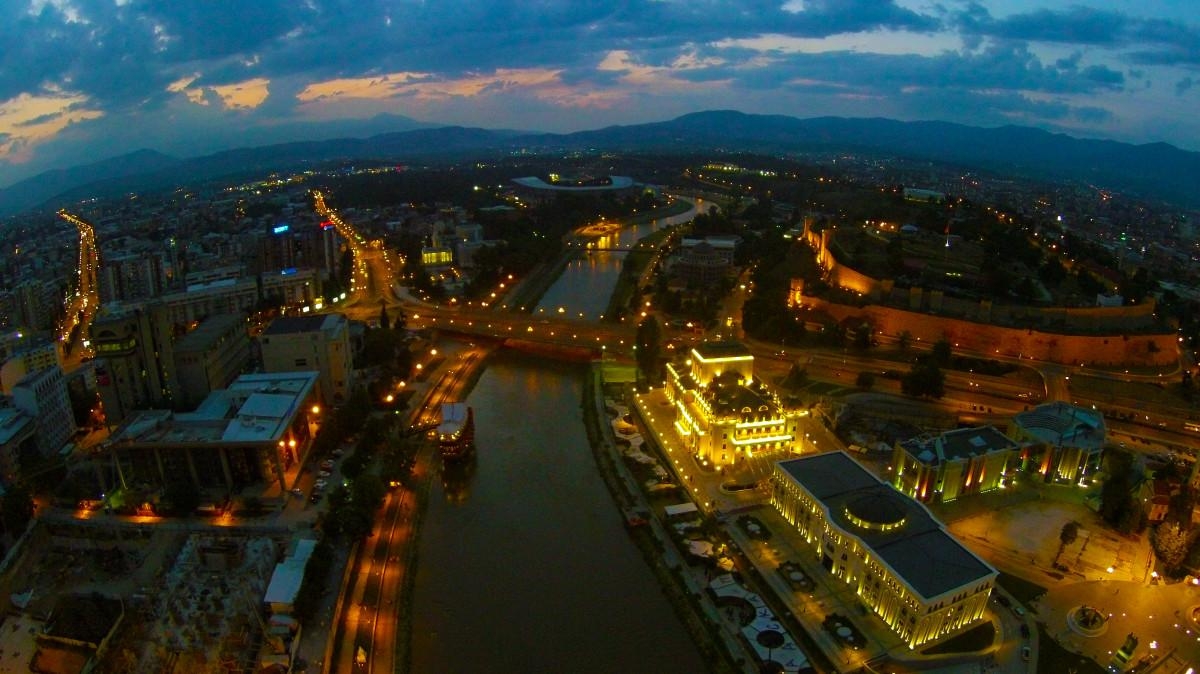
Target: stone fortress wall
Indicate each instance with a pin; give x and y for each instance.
(1093, 336)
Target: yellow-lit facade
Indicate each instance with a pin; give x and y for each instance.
(838, 542)
(721, 414)
(940, 469)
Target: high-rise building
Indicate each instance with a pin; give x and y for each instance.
(321, 343)
(131, 277)
(210, 357)
(135, 364)
(18, 435)
(43, 396)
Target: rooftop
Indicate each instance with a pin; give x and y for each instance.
(255, 408)
(208, 332)
(714, 350)
(958, 445)
(1060, 423)
(12, 423)
(896, 529)
(290, 325)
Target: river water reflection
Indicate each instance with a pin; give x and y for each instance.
(524, 562)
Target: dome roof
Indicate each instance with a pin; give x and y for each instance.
(877, 510)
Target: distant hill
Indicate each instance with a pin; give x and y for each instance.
(1155, 170)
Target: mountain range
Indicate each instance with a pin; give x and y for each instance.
(1155, 170)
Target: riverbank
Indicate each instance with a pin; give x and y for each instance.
(708, 637)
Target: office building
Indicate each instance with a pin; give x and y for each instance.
(43, 396)
(314, 342)
(210, 357)
(135, 364)
(901, 563)
(248, 434)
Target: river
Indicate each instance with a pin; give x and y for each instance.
(524, 563)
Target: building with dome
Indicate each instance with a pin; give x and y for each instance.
(1064, 442)
(901, 562)
(723, 415)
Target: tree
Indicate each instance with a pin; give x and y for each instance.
(1117, 504)
(649, 347)
(1170, 544)
(1068, 535)
(925, 379)
(384, 324)
(865, 380)
(942, 352)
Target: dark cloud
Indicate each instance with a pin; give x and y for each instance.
(1149, 41)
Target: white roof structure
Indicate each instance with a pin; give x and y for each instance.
(454, 415)
(680, 509)
(255, 408)
(289, 574)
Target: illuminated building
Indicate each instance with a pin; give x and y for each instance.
(956, 463)
(247, 434)
(316, 342)
(900, 561)
(1064, 441)
(722, 414)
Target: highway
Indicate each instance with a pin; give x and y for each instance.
(371, 618)
(371, 280)
(81, 307)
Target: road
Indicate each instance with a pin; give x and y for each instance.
(82, 306)
(371, 621)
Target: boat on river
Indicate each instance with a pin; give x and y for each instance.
(456, 432)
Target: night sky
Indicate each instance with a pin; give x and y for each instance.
(86, 79)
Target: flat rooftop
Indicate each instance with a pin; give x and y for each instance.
(256, 408)
(714, 350)
(919, 550)
(207, 333)
(290, 325)
(958, 445)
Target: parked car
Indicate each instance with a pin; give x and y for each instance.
(327, 464)
(324, 473)
(1003, 600)
(320, 484)
(1026, 653)
(1025, 630)
(1019, 610)
(315, 498)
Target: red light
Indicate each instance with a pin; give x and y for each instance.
(327, 225)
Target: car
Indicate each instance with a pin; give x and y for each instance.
(1026, 653)
(1024, 630)
(320, 484)
(298, 493)
(327, 464)
(337, 452)
(324, 473)
(1019, 610)
(1003, 600)
(315, 497)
